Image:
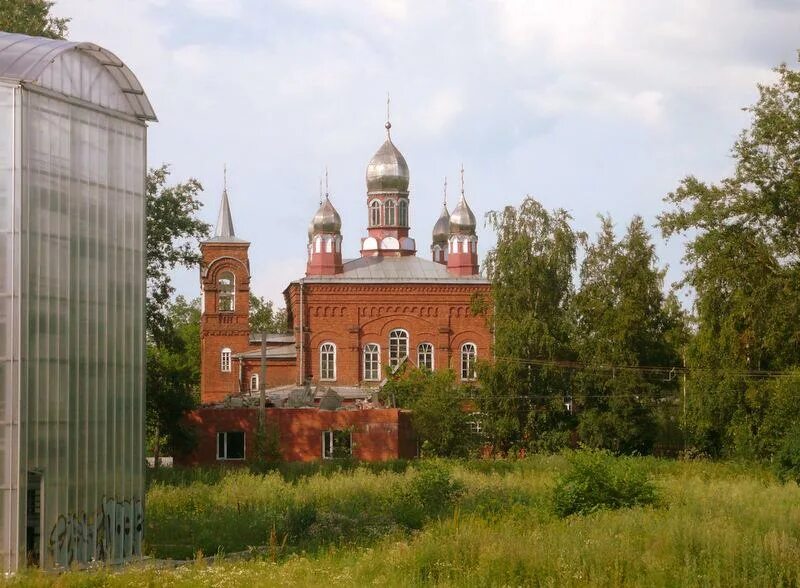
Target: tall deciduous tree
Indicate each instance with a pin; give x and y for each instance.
(623, 320)
(264, 318)
(522, 393)
(32, 17)
(173, 376)
(743, 254)
(173, 232)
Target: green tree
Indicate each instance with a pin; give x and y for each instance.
(522, 393)
(173, 377)
(264, 318)
(743, 254)
(437, 406)
(623, 320)
(32, 17)
(173, 232)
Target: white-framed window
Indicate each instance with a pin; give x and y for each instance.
(226, 286)
(337, 444)
(398, 347)
(230, 445)
(475, 425)
(327, 361)
(402, 213)
(372, 362)
(374, 213)
(425, 356)
(468, 354)
(225, 360)
(254, 382)
(388, 213)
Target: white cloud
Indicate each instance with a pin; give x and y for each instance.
(216, 8)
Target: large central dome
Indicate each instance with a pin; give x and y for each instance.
(387, 171)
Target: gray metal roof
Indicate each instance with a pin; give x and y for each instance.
(49, 63)
(408, 269)
(272, 338)
(276, 352)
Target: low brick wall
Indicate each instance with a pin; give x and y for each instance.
(377, 434)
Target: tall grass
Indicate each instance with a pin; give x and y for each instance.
(716, 525)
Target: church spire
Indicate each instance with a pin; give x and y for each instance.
(224, 228)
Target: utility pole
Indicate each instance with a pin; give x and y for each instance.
(262, 381)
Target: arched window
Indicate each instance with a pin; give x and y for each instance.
(327, 361)
(254, 383)
(425, 356)
(226, 286)
(374, 213)
(468, 354)
(398, 347)
(388, 213)
(402, 213)
(225, 360)
(372, 362)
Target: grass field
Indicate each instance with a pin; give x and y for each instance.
(479, 523)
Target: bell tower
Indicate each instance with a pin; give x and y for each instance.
(387, 202)
(224, 321)
(462, 255)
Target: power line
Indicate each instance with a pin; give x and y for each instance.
(652, 369)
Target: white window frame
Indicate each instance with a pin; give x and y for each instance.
(402, 212)
(390, 213)
(225, 360)
(323, 371)
(375, 213)
(226, 292)
(372, 365)
(254, 382)
(428, 352)
(327, 443)
(468, 361)
(224, 456)
(395, 353)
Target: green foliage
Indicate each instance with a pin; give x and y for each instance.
(263, 317)
(173, 377)
(787, 457)
(173, 231)
(531, 272)
(623, 320)
(429, 494)
(437, 403)
(597, 480)
(743, 254)
(32, 17)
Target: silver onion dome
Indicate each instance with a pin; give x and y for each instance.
(327, 220)
(387, 171)
(462, 221)
(441, 230)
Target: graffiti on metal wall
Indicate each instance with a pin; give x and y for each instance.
(113, 533)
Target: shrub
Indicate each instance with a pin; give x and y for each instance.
(430, 493)
(787, 458)
(598, 480)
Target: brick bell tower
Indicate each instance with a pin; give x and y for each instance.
(462, 256)
(224, 322)
(387, 203)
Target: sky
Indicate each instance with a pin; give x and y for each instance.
(594, 107)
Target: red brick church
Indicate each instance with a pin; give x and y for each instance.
(349, 322)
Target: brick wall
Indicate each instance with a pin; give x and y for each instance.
(377, 434)
(352, 315)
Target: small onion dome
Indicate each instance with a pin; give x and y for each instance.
(462, 221)
(441, 230)
(387, 171)
(327, 220)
